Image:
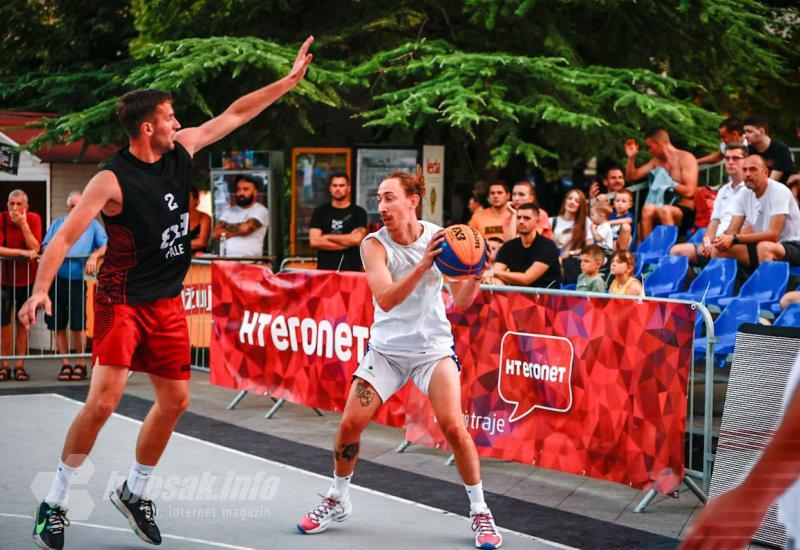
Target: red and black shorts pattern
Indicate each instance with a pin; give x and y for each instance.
(150, 337)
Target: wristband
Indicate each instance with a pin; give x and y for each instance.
(735, 239)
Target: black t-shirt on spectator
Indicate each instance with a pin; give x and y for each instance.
(340, 221)
(778, 157)
(518, 259)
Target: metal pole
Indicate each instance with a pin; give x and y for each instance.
(645, 502)
(278, 404)
(403, 446)
(236, 400)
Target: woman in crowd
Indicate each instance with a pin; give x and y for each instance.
(569, 233)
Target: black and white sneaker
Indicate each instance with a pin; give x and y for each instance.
(141, 513)
(48, 527)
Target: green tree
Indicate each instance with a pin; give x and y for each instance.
(502, 82)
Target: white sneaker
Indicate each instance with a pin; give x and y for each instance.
(333, 507)
(486, 534)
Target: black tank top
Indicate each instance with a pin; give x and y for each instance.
(149, 249)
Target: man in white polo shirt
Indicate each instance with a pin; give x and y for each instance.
(773, 215)
(724, 205)
(244, 225)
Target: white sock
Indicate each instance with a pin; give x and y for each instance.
(475, 494)
(60, 488)
(139, 480)
(342, 484)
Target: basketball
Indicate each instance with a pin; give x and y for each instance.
(463, 252)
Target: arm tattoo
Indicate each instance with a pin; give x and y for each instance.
(349, 452)
(365, 393)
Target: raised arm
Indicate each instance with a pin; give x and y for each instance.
(388, 293)
(246, 107)
(101, 189)
(633, 174)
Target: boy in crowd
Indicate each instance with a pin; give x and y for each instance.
(590, 279)
(493, 244)
(601, 232)
(621, 219)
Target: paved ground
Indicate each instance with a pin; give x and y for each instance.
(574, 496)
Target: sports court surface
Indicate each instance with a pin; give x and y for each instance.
(228, 485)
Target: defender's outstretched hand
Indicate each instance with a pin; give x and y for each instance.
(302, 61)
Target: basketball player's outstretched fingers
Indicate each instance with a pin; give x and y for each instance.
(302, 60)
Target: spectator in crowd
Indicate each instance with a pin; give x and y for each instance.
(569, 227)
(722, 214)
(243, 225)
(794, 180)
(527, 260)
(789, 298)
(524, 192)
(493, 244)
(590, 279)
(670, 170)
(623, 262)
(773, 215)
(495, 220)
(600, 232)
(477, 199)
(338, 227)
(731, 130)
(613, 183)
(621, 220)
(776, 154)
(20, 238)
(199, 223)
(68, 291)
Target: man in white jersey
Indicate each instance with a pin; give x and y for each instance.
(410, 338)
(730, 520)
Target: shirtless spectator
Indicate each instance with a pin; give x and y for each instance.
(731, 130)
(669, 169)
(523, 192)
(495, 220)
(775, 153)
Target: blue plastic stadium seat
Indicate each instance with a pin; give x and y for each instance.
(767, 284)
(714, 282)
(656, 245)
(569, 286)
(697, 238)
(794, 271)
(789, 317)
(668, 277)
(738, 312)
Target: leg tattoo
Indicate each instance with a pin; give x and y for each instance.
(365, 393)
(349, 452)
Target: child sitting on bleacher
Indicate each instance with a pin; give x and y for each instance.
(590, 279)
(621, 219)
(623, 263)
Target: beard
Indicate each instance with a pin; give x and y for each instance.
(244, 201)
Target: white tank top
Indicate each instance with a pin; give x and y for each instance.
(418, 324)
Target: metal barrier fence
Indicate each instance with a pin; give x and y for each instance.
(196, 298)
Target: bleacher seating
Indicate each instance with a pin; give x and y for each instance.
(656, 245)
(767, 284)
(789, 317)
(738, 312)
(668, 277)
(714, 282)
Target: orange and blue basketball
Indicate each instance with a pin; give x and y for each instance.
(463, 252)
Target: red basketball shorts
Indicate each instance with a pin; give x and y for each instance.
(150, 337)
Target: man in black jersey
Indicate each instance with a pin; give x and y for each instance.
(337, 228)
(139, 319)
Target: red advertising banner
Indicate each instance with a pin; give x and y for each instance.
(592, 387)
(297, 336)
